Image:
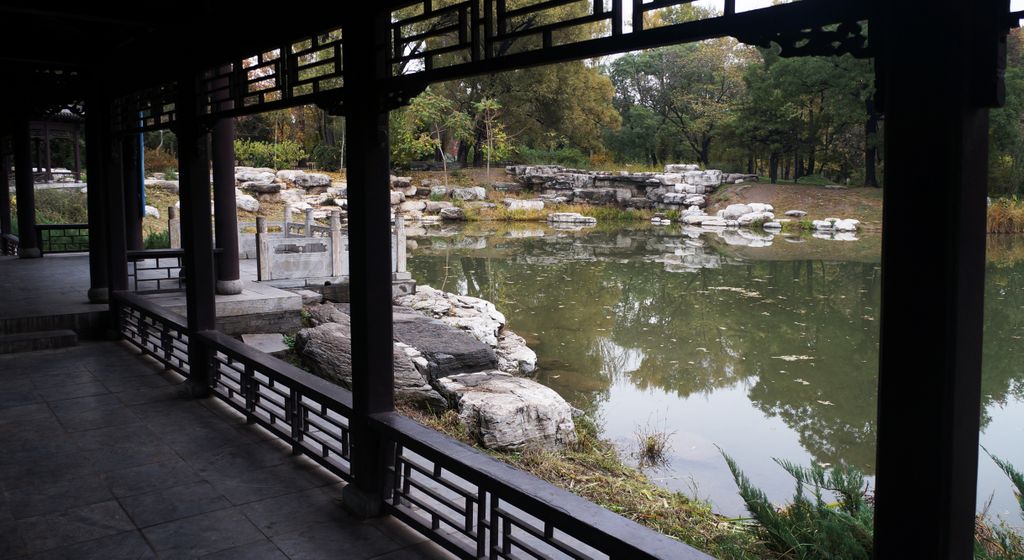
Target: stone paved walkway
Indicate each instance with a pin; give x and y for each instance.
(103, 456)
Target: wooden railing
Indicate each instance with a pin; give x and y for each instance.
(9, 244)
(471, 504)
(62, 238)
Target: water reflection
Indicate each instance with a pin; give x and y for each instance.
(762, 346)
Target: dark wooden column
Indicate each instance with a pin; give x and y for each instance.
(77, 153)
(196, 230)
(28, 246)
(131, 161)
(937, 73)
(224, 209)
(47, 152)
(369, 228)
(5, 193)
(113, 202)
(97, 140)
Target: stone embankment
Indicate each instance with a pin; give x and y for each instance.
(455, 352)
(681, 185)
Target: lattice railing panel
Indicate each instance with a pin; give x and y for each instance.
(149, 109)
(294, 73)
(315, 424)
(155, 335)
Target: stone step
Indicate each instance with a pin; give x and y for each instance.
(37, 340)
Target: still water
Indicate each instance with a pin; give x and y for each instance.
(763, 347)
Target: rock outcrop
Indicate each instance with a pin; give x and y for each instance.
(327, 350)
(509, 413)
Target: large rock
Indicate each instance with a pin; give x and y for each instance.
(452, 214)
(469, 193)
(152, 212)
(327, 351)
(254, 175)
(514, 356)
(446, 349)
(312, 181)
(247, 203)
(514, 204)
(292, 196)
(435, 206)
(752, 217)
(510, 413)
(734, 211)
(681, 167)
(397, 197)
(412, 206)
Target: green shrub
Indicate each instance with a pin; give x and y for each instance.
(280, 155)
(811, 527)
(814, 180)
(157, 240)
(567, 156)
(327, 158)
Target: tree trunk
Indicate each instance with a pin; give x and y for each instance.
(773, 167)
(705, 152)
(871, 145)
(785, 172)
(750, 164)
(799, 168)
(478, 147)
(810, 161)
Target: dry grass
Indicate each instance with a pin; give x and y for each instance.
(1006, 215)
(593, 469)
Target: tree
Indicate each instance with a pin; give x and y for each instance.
(495, 137)
(431, 121)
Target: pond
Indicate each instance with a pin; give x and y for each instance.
(763, 347)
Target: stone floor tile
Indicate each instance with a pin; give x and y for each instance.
(259, 550)
(122, 546)
(52, 497)
(292, 512)
(202, 534)
(149, 478)
(74, 525)
(171, 504)
(352, 541)
(250, 486)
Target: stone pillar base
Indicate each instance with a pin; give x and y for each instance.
(229, 287)
(360, 503)
(29, 252)
(99, 295)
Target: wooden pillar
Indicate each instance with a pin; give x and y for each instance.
(97, 140)
(369, 228)
(196, 231)
(5, 194)
(936, 144)
(224, 208)
(131, 160)
(47, 153)
(78, 153)
(113, 197)
(24, 184)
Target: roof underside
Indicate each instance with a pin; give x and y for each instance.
(55, 54)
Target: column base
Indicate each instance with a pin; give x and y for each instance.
(229, 287)
(29, 252)
(99, 295)
(360, 503)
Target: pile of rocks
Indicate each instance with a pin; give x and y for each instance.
(452, 351)
(680, 185)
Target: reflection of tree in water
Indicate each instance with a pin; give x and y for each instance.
(598, 309)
